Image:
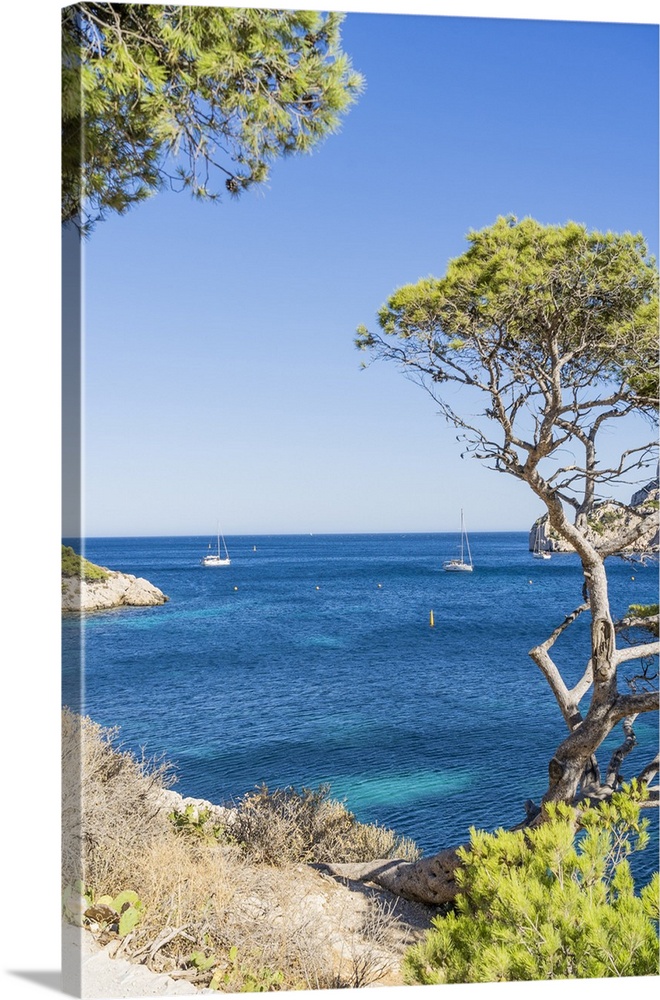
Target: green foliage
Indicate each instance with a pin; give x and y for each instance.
(531, 293)
(75, 565)
(645, 616)
(553, 902)
(195, 822)
(128, 919)
(605, 517)
(201, 961)
(121, 913)
(241, 977)
(642, 610)
(128, 896)
(610, 517)
(157, 95)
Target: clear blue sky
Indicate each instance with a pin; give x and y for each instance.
(221, 377)
(222, 381)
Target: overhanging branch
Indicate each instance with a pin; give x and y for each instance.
(634, 704)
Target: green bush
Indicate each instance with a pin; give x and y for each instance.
(555, 902)
(644, 616)
(642, 610)
(75, 565)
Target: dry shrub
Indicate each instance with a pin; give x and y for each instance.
(211, 908)
(369, 957)
(109, 811)
(242, 916)
(287, 825)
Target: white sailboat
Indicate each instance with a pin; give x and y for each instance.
(216, 558)
(458, 564)
(538, 552)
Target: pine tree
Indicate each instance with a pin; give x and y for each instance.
(167, 95)
(553, 902)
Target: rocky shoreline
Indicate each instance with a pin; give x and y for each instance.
(116, 590)
(339, 903)
(608, 522)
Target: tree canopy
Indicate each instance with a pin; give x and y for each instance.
(196, 98)
(555, 325)
(551, 334)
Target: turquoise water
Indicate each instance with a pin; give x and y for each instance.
(312, 660)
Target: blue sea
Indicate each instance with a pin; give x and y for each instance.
(312, 659)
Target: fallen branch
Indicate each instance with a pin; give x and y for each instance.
(163, 938)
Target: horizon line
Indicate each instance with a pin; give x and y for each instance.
(306, 534)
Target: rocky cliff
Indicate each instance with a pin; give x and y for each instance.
(608, 522)
(114, 591)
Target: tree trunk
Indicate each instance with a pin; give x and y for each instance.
(574, 757)
(429, 880)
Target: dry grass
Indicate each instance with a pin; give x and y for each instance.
(287, 825)
(212, 904)
(108, 811)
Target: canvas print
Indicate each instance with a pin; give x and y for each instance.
(359, 562)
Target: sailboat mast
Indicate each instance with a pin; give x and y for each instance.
(467, 542)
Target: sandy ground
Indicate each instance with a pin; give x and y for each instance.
(96, 975)
(337, 904)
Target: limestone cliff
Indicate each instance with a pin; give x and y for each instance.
(608, 522)
(113, 591)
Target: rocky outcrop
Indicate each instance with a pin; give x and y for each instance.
(608, 522)
(115, 591)
(166, 801)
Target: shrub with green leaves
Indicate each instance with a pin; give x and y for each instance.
(75, 565)
(644, 616)
(643, 610)
(553, 902)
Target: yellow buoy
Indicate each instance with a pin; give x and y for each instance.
(431, 620)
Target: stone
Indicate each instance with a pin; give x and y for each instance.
(608, 522)
(118, 590)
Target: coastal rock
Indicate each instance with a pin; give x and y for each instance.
(648, 492)
(90, 970)
(168, 801)
(117, 590)
(608, 522)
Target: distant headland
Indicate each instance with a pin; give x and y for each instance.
(87, 587)
(608, 522)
